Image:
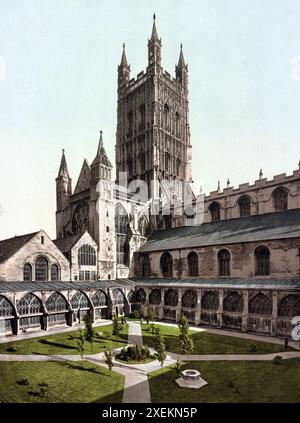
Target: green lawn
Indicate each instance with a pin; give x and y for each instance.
(67, 382)
(209, 343)
(232, 382)
(66, 343)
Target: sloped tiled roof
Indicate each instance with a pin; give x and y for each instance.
(263, 227)
(8, 247)
(65, 244)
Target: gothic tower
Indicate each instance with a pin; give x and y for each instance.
(153, 134)
(101, 212)
(63, 192)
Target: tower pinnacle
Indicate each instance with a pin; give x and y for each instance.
(63, 168)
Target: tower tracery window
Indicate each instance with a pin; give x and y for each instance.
(177, 125)
(167, 162)
(166, 116)
(80, 221)
(177, 167)
(122, 233)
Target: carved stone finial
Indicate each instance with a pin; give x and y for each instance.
(261, 174)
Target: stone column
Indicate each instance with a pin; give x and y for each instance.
(15, 325)
(44, 322)
(220, 309)
(245, 311)
(179, 305)
(69, 318)
(198, 307)
(274, 318)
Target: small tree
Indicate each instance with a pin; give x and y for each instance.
(116, 325)
(178, 366)
(149, 315)
(160, 348)
(186, 341)
(89, 331)
(109, 360)
(80, 344)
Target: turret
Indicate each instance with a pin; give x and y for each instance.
(63, 185)
(101, 165)
(182, 69)
(123, 72)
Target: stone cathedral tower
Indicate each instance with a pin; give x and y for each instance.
(153, 133)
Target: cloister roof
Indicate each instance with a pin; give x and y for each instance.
(60, 286)
(263, 227)
(226, 283)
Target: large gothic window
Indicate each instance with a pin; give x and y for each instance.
(166, 116)
(166, 265)
(244, 204)
(41, 269)
(215, 211)
(171, 298)
(224, 263)
(80, 221)
(130, 124)
(99, 299)
(233, 302)
(289, 306)
(280, 199)
(54, 272)
(143, 266)
(27, 272)
(210, 300)
(155, 297)
(86, 255)
(29, 304)
(56, 303)
(80, 301)
(6, 309)
(262, 261)
(189, 299)
(192, 264)
(260, 304)
(122, 232)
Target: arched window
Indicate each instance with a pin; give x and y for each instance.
(56, 303)
(224, 262)
(210, 300)
(166, 116)
(142, 116)
(289, 306)
(80, 221)
(260, 304)
(177, 125)
(262, 261)
(244, 204)
(122, 232)
(27, 272)
(167, 162)
(142, 162)
(155, 297)
(166, 265)
(6, 309)
(171, 298)
(130, 166)
(99, 299)
(41, 269)
(142, 225)
(54, 272)
(118, 296)
(215, 211)
(29, 304)
(79, 301)
(86, 255)
(177, 167)
(144, 266)
(192, 264)
(140, 296)
(280, 199)
(189, 299)
(233, 302)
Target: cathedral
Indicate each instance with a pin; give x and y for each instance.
(229, 259)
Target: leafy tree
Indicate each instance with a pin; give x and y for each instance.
(160, 348)
(177, 367)
(89, 331)
(149, 315)
(80, 344)
(186, 342)
(109, 359)
(116, 326)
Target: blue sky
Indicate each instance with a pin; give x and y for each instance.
(58, 63)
